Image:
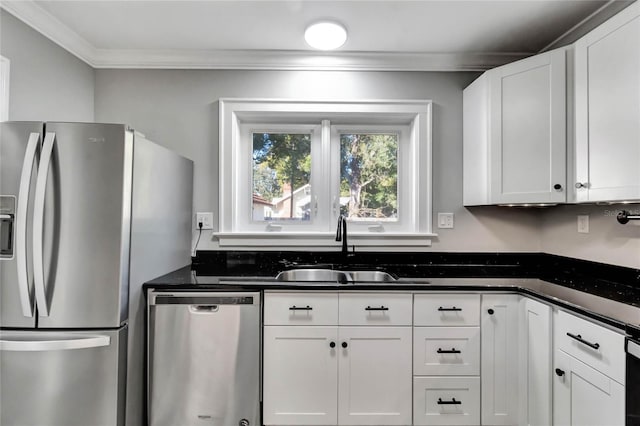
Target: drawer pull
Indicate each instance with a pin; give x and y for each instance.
(452, 402)
(300, 308)
(452, 351)
(452, 309)
(559, 372)
(381, 308)
(584, 342)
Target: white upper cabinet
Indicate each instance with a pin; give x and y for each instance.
(515, 133)
(607, 109)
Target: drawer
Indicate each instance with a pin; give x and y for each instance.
(446, 400)
(593, 344)
(375, 309)
(301, 308)
(446, 351)
(446, 310)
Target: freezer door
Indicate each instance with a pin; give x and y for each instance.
(82, 219)
(19, 148)
(63, 379)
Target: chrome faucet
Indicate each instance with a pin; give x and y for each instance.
(341, 233)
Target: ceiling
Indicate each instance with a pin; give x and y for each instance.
(268, 34)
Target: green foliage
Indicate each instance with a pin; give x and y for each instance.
(369, 174)
(280, 158)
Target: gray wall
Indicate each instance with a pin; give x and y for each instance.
(606, 242)
(179, 109)
(47, 83)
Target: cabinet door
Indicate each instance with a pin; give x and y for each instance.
(536, 355)
(499, 359)
(528, 130)
(583, 396)
(607, 96)
(300, 375)
(375, 381)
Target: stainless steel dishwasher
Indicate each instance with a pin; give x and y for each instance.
(203, 358)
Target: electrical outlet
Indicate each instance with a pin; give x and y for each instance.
(445, 220)
(206, 218)
(583, 224)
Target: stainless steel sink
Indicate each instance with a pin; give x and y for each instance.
(318, 275)
(371, 276)
(331, 275)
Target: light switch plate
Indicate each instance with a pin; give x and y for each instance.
(206, 218)
(583, 224)
(445, 220)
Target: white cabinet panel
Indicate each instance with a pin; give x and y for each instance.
(607, 107)
(514, 120)
(536, 356)
(599, 347)
(446, 401)
(375, 309)
(585, 397)
(375, 376)
(446, 310)
(499, 359)
(301, 308)
(445, 351)
(300, 375)
(528, 130)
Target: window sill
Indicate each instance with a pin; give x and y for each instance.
(321, 239)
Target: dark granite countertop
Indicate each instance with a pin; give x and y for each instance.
(620, 315)
(605, 292)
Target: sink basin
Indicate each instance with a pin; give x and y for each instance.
(319, 275)
(332, 275)
(371, 276)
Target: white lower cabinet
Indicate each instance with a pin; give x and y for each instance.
(446, 400)
(374, 376)
(300, 375)
(499, 359)
(342, 372)
(446, 351)
(519, 362)
(536, 356)
(583, 396)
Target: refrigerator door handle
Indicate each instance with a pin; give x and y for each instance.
(38, 224)
(24, 342)
(26, 298)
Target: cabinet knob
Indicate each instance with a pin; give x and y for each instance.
(557, 187)
(490, 311)
(580, 185)
(344, 344)
(332, 344)
(559, 372)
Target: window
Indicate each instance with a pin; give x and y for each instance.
(288, 169)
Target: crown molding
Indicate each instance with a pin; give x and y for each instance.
(36, 17)
(48, 25)
(300, 60)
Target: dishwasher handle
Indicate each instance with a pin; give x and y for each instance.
(204, 300)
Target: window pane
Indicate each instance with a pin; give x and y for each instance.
(281, 177)
(369, 176)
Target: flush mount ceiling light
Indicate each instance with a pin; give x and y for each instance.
(325, 35)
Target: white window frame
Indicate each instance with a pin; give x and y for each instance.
(237, 118)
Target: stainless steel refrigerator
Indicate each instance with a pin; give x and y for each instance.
(88, 212)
